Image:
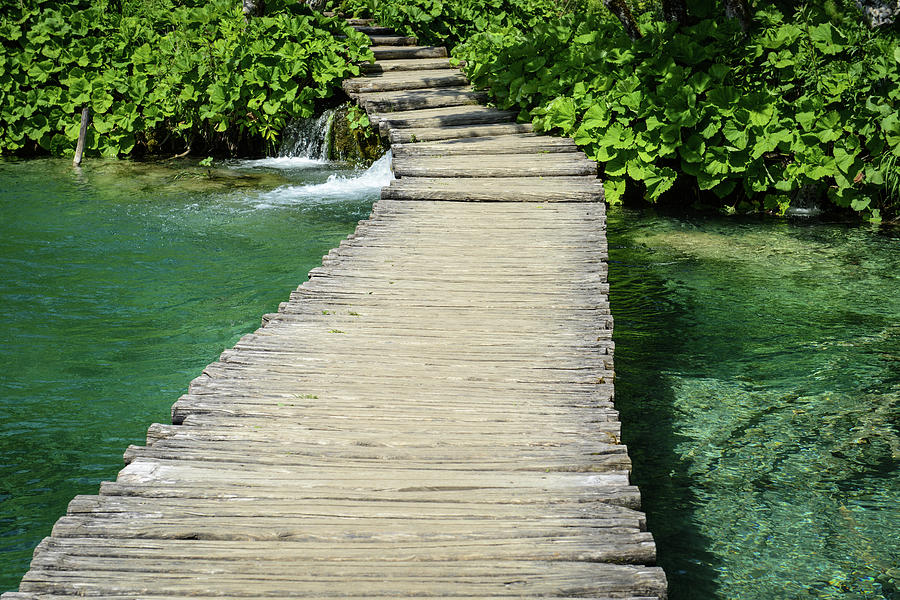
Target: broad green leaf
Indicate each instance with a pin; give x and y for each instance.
(860, 203)
(595, 117)
(844, 160)
(614, 189)
(658, 181)
(561, 113)
(806, 119)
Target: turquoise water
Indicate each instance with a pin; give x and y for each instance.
(119, 282)
(758, 376)
(758, 363)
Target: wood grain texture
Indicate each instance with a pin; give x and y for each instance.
(495, 165)
(405, 64)
(411, 99)
(430, 415)
(405, 80)
(417, 132)
(406, 52)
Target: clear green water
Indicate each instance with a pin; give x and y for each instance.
(758, 362)
(118, 284)
(758, 376)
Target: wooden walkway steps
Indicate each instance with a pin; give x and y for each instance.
(429, 416)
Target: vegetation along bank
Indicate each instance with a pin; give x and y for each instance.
(165, 76)
(748, 108)
(758, 107)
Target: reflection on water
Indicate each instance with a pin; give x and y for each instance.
(119, 282)
(758, 375)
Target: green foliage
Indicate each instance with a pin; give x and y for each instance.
(452, 21)
(168, 75)
(808, 100)
(357, 118)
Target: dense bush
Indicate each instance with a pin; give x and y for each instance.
(799, 103)
(449, 22)
(164, 76)
(805, 105)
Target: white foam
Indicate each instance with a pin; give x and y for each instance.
(281, 162)
(367, 183)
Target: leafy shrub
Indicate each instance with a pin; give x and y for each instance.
(448, 22)
(168, 76)
(755, 120)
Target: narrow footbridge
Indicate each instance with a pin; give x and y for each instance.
(430, 415)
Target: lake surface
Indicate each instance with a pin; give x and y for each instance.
(758, 377)
(758, 362)
(119, 282)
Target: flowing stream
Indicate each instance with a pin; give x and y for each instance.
(119, 282)
(758, 377)
(758, 362)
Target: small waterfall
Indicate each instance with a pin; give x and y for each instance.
(365, 184)
(307, 138)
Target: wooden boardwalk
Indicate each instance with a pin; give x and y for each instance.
(430, 415)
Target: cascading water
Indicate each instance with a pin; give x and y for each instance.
(307, 138)
(355, 185)
(304, 156)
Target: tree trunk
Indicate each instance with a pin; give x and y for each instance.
(623, 13)
(674, 11)
(738, 9)
(253, 8)
(316, 5)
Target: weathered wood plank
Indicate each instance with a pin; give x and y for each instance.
(407, 52)
(515, 143)
(69, 551)
(499, 189)
(405, 80)
(392, 40)
(624, 495)
(439, 117)
(415, 99)
(494, 165)
(369, 578)
(412, 133)
(374, 30)
(404, 64)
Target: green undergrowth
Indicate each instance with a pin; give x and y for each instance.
(164, 76)
(449, 22)
(805, 106)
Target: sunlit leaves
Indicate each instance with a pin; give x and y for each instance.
(753, 119)
(184, 74)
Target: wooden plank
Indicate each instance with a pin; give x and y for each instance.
(370, 578)
(374, 30)
(405, 80)
(406, 64)
(514, 143)
(422, 132)
(406, 100)
(407, 52)
(494, 165)
(59, 551)
(442, 117)
(499, 189)
(295, 492)
(392, 40)
(42, 596)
